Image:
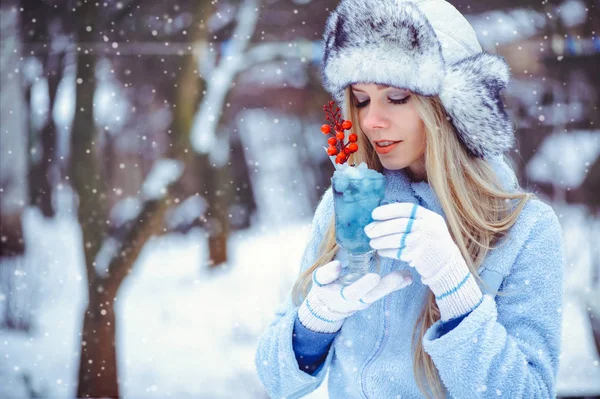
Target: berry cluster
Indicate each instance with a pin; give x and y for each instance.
(336, 127)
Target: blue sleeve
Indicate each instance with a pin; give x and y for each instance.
(310, 347)
(511, 344)
(451, 324)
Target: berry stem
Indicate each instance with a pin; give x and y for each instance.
(335, 118)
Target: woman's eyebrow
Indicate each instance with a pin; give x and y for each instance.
(379, 87)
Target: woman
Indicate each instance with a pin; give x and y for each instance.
(414, 74)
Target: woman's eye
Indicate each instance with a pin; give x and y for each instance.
(400, 101)
(393, 101)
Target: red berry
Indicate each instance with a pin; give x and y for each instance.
(332, 141)
(341, 158)
(347, 150)
(326, 129)
(353, 147)
(346, 125)
(340, 135)
(332, 151)
(353, 138)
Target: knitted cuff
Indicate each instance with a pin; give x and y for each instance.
(318, 319)
(456, 291)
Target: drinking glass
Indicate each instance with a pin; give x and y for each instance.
(354, 199)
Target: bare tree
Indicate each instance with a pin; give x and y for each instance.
(98, 376)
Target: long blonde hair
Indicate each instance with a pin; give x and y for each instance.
(478, 212)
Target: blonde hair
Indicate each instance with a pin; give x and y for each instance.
(478, 212)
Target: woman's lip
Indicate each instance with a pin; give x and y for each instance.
(387, 141)
(385, 150)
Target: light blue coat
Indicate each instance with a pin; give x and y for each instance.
(506, 347)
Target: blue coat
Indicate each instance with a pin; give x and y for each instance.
(508, 346)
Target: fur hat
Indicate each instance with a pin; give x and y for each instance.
(428, 47)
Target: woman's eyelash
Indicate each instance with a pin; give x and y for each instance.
(401, 101)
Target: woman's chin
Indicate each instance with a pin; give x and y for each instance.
(392, 164)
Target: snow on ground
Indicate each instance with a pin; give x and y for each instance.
(50, 354)
(184, 331)
(579, 373)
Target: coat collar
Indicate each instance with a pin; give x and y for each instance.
(400, 188)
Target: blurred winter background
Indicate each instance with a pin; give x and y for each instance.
(161, 162)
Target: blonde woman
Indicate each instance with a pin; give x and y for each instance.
(467, 299)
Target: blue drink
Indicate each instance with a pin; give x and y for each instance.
(356, 192)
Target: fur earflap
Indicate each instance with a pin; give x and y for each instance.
(376, 41)
(471, 95)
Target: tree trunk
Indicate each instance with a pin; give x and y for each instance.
(98, 376)
(217, 189)
(211, 181)
(219, 199)
(40, 165)
(53, 70)
(97, 371)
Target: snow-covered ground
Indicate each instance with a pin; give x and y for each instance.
(186, 332)
(182, 331)
(579, 373)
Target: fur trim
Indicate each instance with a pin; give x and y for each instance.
(471, 95)
(376, 41)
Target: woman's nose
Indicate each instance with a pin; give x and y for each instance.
(375, 118)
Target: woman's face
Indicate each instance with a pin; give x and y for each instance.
(387, 114)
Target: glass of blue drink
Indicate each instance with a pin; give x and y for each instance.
(356, 192)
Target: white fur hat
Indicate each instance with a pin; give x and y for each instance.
(428, 47)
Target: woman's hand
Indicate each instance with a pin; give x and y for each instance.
(420, 237)
(328, 303)
(413, 234)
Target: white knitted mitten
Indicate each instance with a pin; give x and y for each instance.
(420, 237)
(328, 303)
